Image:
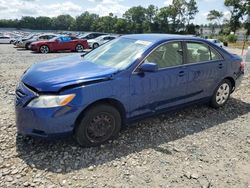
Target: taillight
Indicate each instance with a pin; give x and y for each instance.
(242, 66)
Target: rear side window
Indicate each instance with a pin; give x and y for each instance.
(167, 55)
(215, 55)
(199, 52)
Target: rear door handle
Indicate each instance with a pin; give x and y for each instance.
(181, 73)
(220, 66)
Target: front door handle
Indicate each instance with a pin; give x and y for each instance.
(181, 73)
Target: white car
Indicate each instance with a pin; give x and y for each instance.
(95, 43)
(6, 40)
(217, 42)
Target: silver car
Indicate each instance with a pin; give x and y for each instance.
(27, 43)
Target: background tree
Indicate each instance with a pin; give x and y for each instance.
(86, 21)
(237, 9)
(150, 24)
(43, 22)
(63, 22)
(191, 11)
(215, 15)
(136, 16)
(162, 18)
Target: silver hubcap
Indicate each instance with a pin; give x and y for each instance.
(79, 48)
(44, 49)
(95, 46)
(222, 93)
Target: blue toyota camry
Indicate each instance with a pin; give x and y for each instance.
(131, 77)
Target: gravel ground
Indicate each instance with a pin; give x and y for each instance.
(195, 147)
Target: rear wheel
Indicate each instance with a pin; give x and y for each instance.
(99, 124)
(44, 49)
(95, 45)
(27, 46)
(221, 94)
(79, 48)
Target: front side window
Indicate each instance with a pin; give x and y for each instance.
(167, 55)
(199, 52)
(65, 39)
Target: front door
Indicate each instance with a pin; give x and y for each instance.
(166, 87)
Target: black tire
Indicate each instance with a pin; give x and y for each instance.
(44, 49)
(99, 124)
(27, 46)
(219, 99)
(95, 45)
(79, 48)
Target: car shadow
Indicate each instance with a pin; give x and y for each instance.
(21, 49)
(65, 155)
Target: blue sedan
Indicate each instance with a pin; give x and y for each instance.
(131, 77)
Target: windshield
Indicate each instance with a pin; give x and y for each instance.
(119, 53)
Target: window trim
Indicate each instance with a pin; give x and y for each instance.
(184, 49)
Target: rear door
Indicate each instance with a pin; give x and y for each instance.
(205, 67)
(154, 91)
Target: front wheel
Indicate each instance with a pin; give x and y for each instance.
(99, 124)
(27, 46)
(79, 48)
(95, 45)
(44, 49)
(221, 94)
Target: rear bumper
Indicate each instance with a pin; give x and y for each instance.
(238, 79)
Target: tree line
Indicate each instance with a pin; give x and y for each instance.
(175, 18)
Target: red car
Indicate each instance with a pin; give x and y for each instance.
(60, 43)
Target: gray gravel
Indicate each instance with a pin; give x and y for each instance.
(195, 147)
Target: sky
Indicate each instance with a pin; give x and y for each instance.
(10, 9)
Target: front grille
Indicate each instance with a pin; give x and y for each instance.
(20, 94)
(24, 94)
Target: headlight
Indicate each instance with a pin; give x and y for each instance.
(49, 101)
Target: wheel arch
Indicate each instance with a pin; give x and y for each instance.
(110, 101)
(232, 82)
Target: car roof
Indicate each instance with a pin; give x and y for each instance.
(157, 37)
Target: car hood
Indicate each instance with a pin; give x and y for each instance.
(53, 75)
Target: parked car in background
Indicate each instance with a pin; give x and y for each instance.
(6, 40)
(91, 35)
(23, 39)
(217, 42)
(60, 43)
(27, 43)
(129, 78)
(95, 43)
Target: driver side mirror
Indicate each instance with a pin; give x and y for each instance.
(148, 67)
